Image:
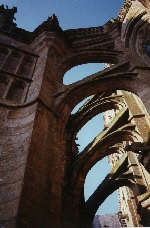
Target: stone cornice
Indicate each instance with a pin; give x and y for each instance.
(124, 10)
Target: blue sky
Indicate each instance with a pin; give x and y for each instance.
(71, 13)
(75, 14)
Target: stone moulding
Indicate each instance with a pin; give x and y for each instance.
(124, 10)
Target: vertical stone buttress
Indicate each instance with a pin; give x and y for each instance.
(41, 201)
(16, 121)
(17, 64)
(127, 199)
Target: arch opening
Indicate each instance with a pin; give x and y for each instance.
(94, 177)
(89, 131)
(76, 108)
(81, 71)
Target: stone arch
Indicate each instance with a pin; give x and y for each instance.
(86, 45)
(87, 56)
(89, 110)
(111, 189)
(81, 169)
(115, 77)
(84, 163)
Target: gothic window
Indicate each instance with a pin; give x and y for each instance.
(3, 53)
(16, 91)
(26, 67)
(3, 85)
(12, 62)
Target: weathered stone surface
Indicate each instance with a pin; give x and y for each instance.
(38, 131)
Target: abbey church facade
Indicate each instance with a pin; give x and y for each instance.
(42, 173)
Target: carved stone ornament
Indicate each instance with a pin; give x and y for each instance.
(7, 18)
(124, 10)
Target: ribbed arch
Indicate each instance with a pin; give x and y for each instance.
(95, 105)
(108, 80)
(83, 164)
